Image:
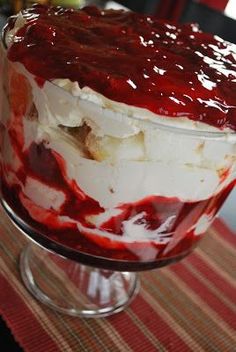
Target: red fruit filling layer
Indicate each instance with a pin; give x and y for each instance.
(150, 213)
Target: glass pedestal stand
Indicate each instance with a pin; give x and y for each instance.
(73, 288)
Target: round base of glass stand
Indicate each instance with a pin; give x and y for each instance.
(73, 288)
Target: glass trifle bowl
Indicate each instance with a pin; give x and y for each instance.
(118, 148)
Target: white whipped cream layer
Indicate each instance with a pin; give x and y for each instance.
(117, 122)
(127, 181)
(161, 162)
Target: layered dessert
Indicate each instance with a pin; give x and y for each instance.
(118, 130)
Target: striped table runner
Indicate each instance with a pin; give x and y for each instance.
(189, 306)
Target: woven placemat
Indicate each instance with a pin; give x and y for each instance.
(189, 306)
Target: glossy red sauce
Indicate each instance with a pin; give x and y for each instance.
(172, 70)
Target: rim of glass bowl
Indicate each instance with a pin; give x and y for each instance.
(227, 136)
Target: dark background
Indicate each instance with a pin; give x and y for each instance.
(210, 20)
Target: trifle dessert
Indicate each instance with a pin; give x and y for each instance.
(118, 131)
